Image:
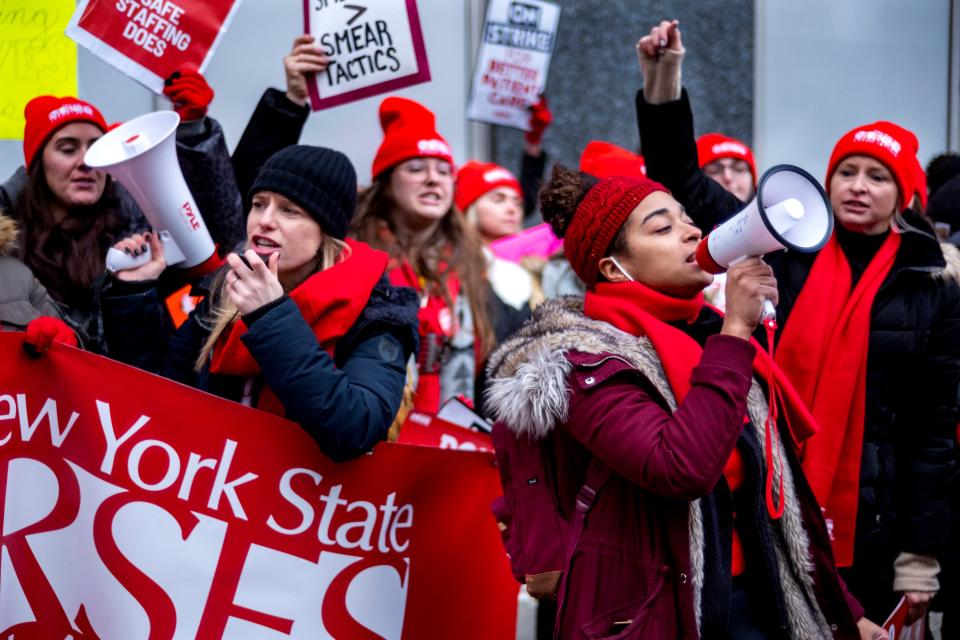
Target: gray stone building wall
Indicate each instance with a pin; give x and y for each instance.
(594, 74)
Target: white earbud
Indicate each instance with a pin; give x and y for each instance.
(621, 269)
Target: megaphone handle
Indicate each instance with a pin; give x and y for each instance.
(118, 260)
(769, 313)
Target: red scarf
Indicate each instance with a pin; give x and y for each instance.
(641, 311)
(824, 349)
(330, 301)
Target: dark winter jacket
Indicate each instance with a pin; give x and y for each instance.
(913, 370)
(346, 402)
(22, 297)
(276, 124)
(654, 549)
(205, 163)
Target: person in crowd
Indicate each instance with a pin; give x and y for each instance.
(22, 297)
(730, 163)
(409, 212)
(69, 214)
(701, 522)
(491, 200)
(940, 170)
(869, 333)
(302, 323)
(944, 209)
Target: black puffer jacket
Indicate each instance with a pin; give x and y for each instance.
(346, 402)
(913, 355)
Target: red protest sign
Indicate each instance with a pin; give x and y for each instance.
(150, 39)
(897, 629)
(134, 507)
(427, 430)
(374, 47)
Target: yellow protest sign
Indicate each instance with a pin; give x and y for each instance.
(35, 57)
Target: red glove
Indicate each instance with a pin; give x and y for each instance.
(189, 93)
(44, 331)
(540, 119)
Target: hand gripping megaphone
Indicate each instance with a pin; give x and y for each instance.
(141, 154)
(790, 211)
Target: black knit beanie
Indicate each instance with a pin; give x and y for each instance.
(320, 180)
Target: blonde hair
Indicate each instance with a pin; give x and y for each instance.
(224, 312)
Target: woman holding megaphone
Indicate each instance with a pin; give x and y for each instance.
(687, 520)
(302, 323)
(869, 334)
(69, 214)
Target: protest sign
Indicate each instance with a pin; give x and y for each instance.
(513, 61)
(150, 39)
(428, 430)
(35, 57)
(896, 628)
(375, 46)
(134, 508)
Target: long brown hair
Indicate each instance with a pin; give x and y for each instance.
(224, 313)
(66, 256)
(452, 248)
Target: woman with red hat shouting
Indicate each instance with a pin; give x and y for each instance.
(870, 336)
(409, 212)
(69, 214)
(686, 520)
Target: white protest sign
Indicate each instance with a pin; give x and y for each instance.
(513, 61)
(375, 47)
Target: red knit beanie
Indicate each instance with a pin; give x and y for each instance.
(603, 160)
(45, 114)
(409, 131)
(474, 179)
(887, 143)
(598, 219)
(714, 146)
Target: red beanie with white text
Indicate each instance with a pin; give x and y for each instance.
(887, 143)
(715, 146)
(474, 179)
(45, 114)
(409, 131)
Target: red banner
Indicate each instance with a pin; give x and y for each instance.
(430, 431)
(896, 626)
(150, 39)
(134, 507)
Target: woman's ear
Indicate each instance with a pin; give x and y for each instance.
(611, 271)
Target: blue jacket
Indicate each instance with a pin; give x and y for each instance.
(346, 402)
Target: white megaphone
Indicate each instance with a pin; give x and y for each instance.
(790, 211)
(141, 154)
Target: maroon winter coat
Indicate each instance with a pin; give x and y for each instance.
(591, 390)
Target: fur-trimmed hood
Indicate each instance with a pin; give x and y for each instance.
(527, 374)
(9, 232)
(951, 255)
(527, 391)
